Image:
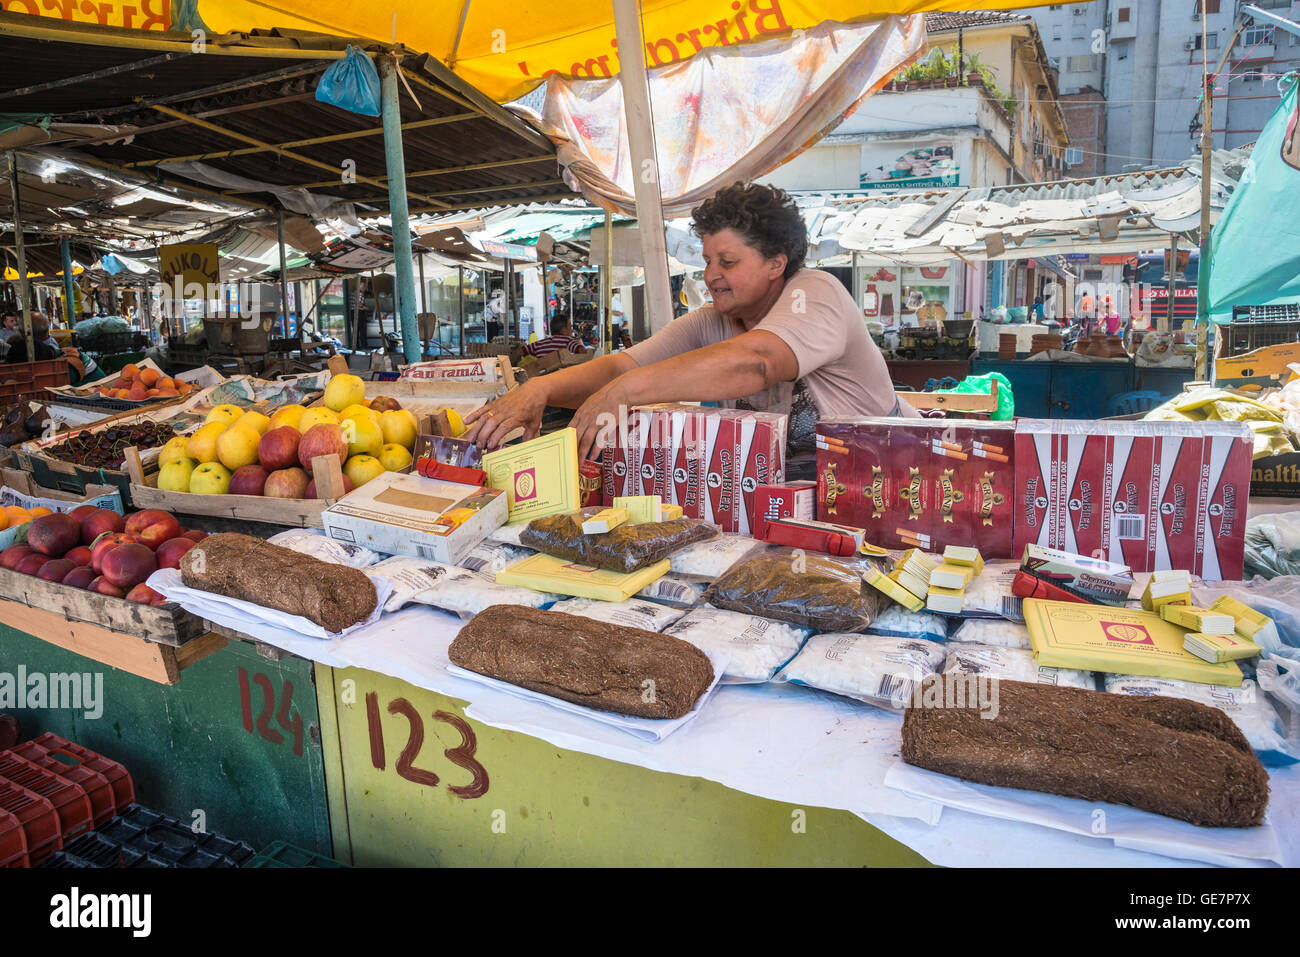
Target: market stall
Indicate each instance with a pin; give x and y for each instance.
(795, 756)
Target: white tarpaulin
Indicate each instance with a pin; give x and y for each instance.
(726, 114)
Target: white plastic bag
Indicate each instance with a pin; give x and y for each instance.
(470, 592)
(410, 577)
(879, 671)
(755, 648)
(1013, 664)
(633, 613)
(491, 557)
(310, 541)
(1278, 598)
(674, 590)
(897, 622)
(989, 595)
(992, 631)
(709, 559)
(1250, 710)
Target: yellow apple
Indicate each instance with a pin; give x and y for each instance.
(312, 417)
(175, 475)
(173, 450)
(394, 457)
(399, 426)
(203, 443)
(289, 415)
(456, 422)
(237, 446)
(255, 420)
(210, 478)
(360, 469)
(343, 391)
(360, 409)
(363, 436)
(225, 414)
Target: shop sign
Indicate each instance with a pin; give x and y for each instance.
(924, 166)
(190, 263)
(508, 250)
(132, 14)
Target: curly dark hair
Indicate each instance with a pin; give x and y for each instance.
(765, 216)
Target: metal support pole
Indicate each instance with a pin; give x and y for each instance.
(399, 212)
(645, 163)
(284, 278)
(24, 287)
(607, 284)
(508, 297)
(460, 302)
(69, 292)
(1203, 270)
(1173, 273)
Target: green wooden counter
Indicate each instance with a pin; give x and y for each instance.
(234, 747)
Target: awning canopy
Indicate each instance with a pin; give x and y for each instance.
(506, 47)
(239, 123)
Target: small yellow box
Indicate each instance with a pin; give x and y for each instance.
(890, 586)
(1200, 620)
(1218, 648)
(548, 573)
(606, 520)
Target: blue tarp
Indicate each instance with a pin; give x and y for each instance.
(1256, 255)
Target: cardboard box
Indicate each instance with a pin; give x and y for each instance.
(940, 482)
(1265, 368)
(788, 500)
(1276, 475)
(1149, 495)
(539, 477)
(400, 513)
(709, 461)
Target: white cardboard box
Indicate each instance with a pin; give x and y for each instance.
(401, 513)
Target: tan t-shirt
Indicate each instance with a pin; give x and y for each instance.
(840, 366)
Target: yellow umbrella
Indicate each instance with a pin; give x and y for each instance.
(506, 47)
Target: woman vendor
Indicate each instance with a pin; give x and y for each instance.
(777, 337)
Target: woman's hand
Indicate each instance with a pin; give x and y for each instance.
(518, 408)
(597, 419)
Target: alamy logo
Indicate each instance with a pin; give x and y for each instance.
(79, 691)
(73, 910)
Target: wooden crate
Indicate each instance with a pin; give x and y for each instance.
(167, 624)
(162, 663)
(289, 512)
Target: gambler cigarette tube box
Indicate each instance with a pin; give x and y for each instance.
(709, 461)
(911, 481)
(788, 500)
(1149, 495)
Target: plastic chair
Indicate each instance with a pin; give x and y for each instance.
(1131, 403)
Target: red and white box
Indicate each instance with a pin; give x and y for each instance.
(789, 500)
(924, 483)
(1150, 495)
(709, 461)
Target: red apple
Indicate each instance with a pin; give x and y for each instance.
(248, 480)
(32, 564)
(194, 535)
(384, 403)
(286, 483)
(98, 521)
(311, 487)
(54, 535)
(128, 565)
(105, 587)
(104, 544)
(79, 555)
(81, 511)
(153, 526)
(278, 448)
(55, 570)
(80, 577)
(14, 554)
(322, 440)
(144, 595)
(169, 552)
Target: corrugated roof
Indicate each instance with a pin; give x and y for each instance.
(943, 22)
(247, 108)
